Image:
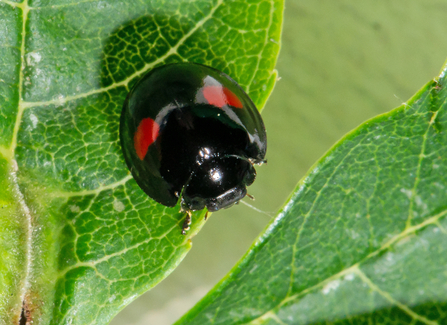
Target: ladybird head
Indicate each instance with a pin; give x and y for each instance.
(218, 183)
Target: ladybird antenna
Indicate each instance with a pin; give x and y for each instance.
(270, 214)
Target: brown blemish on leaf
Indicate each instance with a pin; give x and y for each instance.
(25, 317)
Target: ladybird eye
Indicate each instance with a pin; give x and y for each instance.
(189, 132)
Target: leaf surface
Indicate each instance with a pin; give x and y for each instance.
(79, 239)
(362, 239)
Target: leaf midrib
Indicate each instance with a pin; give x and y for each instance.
(13, 167)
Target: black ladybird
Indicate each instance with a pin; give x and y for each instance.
(190, 131)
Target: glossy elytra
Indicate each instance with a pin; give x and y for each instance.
(190, 132)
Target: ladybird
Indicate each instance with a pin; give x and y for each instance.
(189, 132)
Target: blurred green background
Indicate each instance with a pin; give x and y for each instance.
(341, 63)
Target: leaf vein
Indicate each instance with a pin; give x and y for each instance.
(14, 167)
(12, 4)
(125, 82)
(95, 191)
(418, 170)
(259, 56)
(393, 301)
(352, 269)
(105, 258)
(306, 216)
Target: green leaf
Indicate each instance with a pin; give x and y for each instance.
(362, 240)
(79, 239)
(341, 63)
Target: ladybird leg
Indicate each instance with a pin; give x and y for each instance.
(206, 215)
(258, 162)
(186, 223)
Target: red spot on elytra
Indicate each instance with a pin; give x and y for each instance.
(220, 96)
(145, 135)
